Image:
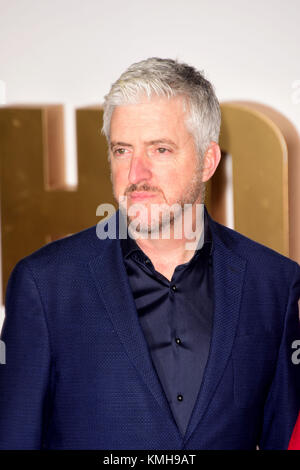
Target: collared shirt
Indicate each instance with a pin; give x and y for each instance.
(176, 318)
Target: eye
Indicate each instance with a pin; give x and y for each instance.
(119, 151)
(162, 150)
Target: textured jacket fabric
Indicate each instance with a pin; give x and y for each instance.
(78, 372)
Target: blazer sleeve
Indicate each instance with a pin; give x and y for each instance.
(24, 376)
(283, 401)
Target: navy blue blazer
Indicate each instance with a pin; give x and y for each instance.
(79, 375)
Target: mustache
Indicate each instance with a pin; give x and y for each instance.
(143, 187)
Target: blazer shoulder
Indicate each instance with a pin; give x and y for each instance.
(71, 253)
(255, 253)
(77, 248)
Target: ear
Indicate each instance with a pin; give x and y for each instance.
(211, 160)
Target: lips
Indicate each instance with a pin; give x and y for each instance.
(139, 195)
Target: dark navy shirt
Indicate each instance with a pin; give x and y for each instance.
(176, 318)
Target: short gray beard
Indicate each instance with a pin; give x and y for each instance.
(196, 189)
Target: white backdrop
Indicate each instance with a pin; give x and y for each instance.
(70, 51)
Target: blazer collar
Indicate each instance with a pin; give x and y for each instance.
(229, 272)
(111, 280)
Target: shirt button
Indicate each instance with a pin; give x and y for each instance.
(178, 340)
(179, 397)
(147, 261)
(174, 288)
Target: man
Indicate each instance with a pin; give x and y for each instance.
(148, 339)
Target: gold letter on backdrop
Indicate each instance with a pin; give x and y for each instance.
(265, 150)
(36, 204)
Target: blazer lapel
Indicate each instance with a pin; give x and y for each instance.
(228, 271)
(112, 283)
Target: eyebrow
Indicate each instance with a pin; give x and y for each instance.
(122, 144)
(161, 141)
(149, 142)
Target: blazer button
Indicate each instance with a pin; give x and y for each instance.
(174, 288)
(179, 397)
(178, 340)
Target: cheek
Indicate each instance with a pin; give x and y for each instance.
(174, 178)
(119, 179)
(166, 175)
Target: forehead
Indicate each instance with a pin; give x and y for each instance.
(149, 116)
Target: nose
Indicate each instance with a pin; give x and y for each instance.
(139, 169)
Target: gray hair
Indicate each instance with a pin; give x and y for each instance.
(168, 78)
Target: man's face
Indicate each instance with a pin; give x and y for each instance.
(153, 156)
